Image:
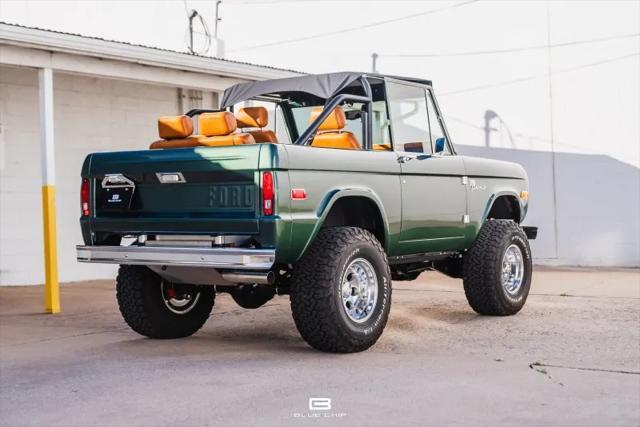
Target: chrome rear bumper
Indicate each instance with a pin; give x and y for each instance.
(220, 258)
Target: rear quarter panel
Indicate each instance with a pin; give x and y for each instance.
(327, 175)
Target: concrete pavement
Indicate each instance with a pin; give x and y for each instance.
(571, 357)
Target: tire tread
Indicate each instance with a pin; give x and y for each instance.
(481, 268)
(141, 310)
(314, 311)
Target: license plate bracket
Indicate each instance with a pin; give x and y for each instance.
(116, 193)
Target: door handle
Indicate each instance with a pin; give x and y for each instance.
(404, 159)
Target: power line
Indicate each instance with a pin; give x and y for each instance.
(354, 28)
(537, 76)
(512, 50)
(537, 139)
(250, 2)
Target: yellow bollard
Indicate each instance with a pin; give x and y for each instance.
(51, 286)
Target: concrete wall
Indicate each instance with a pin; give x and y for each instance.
(598, 206)
(91, 114)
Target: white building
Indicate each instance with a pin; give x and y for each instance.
(107, 96)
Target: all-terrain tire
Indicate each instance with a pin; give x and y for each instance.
(316, 291)
(482, 269)
(143, 307)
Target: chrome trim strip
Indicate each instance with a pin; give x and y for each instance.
(232, 258)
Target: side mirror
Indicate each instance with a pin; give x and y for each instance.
(440, 143)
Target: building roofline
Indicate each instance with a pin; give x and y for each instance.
(56, 41)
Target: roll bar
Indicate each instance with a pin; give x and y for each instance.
(305, 138)
(197, 111)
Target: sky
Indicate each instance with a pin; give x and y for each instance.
(481, 55)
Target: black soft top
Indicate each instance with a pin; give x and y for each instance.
(324, 86)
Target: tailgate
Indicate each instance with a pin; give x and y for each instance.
(212, 190)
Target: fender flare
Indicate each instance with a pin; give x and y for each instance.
(330, 199)
(494, 197)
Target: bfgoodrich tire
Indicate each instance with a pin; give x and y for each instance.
(497, 269)
(158, 309)
(341, 291)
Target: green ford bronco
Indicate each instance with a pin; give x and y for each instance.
(321, 187)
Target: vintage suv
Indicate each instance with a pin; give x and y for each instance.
(322, 187)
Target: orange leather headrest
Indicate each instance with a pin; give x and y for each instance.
(334, 121)
(172, 127)
(217, 124)
(252, 117)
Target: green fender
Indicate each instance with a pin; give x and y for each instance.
(333, 196)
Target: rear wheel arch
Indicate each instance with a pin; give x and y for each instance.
(357, 211)
(355, 208)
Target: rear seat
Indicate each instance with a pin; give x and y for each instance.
(256, 117)
(216, 130)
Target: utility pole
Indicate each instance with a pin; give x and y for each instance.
(374, 62)
(194, 13)
(488, 116)
(551, 132)
(218, 44)
(217, 19)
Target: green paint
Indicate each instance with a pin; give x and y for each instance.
(422, 202)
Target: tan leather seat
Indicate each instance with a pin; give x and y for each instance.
(330, 133)
(256, 117)
(174, 127)
(216, 129)
(382, 147)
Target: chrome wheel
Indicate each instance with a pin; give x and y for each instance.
(178, 299)
(512, 270)
(359, 290)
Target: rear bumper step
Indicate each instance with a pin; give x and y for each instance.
(220, 258)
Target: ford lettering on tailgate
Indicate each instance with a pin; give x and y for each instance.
(232, 196)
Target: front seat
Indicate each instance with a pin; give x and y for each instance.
(330, 133)
(256, 117)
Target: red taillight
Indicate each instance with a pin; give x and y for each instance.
(84, 197)
(267, 193)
